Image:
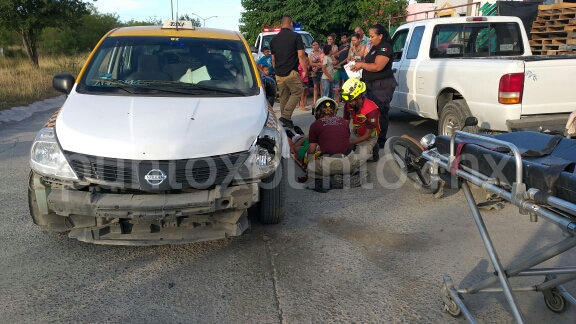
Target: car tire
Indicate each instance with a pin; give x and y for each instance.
(270, 208)
(452, 117)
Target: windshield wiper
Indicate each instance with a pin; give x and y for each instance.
(204, 87)
(122, 85)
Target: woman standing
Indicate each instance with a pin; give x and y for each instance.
(378, 76)
(356, 52)
(331, 40)
(315, 60)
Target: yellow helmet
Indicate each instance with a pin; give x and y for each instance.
(352, 89)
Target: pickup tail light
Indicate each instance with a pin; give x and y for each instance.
(511, 88)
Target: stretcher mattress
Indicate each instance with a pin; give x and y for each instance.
(548, 161)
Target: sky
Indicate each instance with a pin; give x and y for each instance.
(227, 11)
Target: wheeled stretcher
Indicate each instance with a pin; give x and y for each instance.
(536, 173)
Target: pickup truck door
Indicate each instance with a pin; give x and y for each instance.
(398, 43)
(407, 83)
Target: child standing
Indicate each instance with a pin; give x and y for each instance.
(336, 82)
(327, 72)
(304, 78)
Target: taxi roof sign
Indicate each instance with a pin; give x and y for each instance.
(177, 24)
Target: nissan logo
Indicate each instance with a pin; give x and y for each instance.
(155, 177)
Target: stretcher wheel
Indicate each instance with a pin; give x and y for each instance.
(452, 308)
(407, 162)
(558, 304)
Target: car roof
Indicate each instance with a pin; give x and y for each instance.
(276, 32)
(198, 32)
(460, 20)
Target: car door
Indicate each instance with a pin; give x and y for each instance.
(398, 43)
(407, 88)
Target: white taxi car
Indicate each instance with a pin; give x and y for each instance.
(165, 137)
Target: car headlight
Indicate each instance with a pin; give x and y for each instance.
(428, 140)
(264, 154)
(46, 157)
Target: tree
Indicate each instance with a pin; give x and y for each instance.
(195, 21)
(319, 17)
(83, 38)
(152, 21)
(387, 13)
(30, 17)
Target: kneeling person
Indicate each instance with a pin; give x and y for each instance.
(332, 134)
(365, 117)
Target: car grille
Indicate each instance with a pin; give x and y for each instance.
(183, 174)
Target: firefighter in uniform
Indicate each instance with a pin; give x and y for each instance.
(365, 117)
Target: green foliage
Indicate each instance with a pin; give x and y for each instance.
(8, 37)
(80, 39)
(152, 21)
(195, 21)
(30, 17)
(320, 17)
(388, 13)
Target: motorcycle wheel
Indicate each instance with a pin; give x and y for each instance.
(407, 163)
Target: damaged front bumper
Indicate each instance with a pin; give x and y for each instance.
(142, 218)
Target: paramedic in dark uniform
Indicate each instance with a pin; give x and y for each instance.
(378, 76)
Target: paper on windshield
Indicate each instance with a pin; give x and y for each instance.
(195, 76)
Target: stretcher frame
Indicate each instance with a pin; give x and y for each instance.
(556, 211)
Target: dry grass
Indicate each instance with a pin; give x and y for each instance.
(21, 84)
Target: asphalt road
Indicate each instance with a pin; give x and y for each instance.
(348, 256)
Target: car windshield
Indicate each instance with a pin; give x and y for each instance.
(177, 66)
(306, 38)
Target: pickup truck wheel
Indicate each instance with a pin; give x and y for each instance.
(273, 196)
(452, 117)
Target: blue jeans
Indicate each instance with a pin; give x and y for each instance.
(327, 88)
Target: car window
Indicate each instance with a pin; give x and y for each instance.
(266, 40)
(476, 40)
(306, 39)
(415, 41)
(150, 61)
(398, 43)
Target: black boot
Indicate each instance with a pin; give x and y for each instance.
(375, 153)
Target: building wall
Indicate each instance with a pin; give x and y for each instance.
(422, 7)
(418, 9)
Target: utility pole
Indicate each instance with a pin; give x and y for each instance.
(204, 19)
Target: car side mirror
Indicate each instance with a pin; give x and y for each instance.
(253, 49)
(63, 82)
(470, 121)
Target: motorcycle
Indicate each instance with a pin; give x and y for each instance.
(409, 164)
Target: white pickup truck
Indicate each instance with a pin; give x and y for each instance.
(450, 68)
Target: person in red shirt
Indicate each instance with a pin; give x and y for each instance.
(365, 117)
(329, 134)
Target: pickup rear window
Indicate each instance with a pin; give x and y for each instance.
(476, 40)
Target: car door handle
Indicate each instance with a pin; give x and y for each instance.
(394, 70)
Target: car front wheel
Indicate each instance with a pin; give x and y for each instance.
(270, 208)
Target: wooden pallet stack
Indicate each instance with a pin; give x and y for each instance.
(554, 31)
